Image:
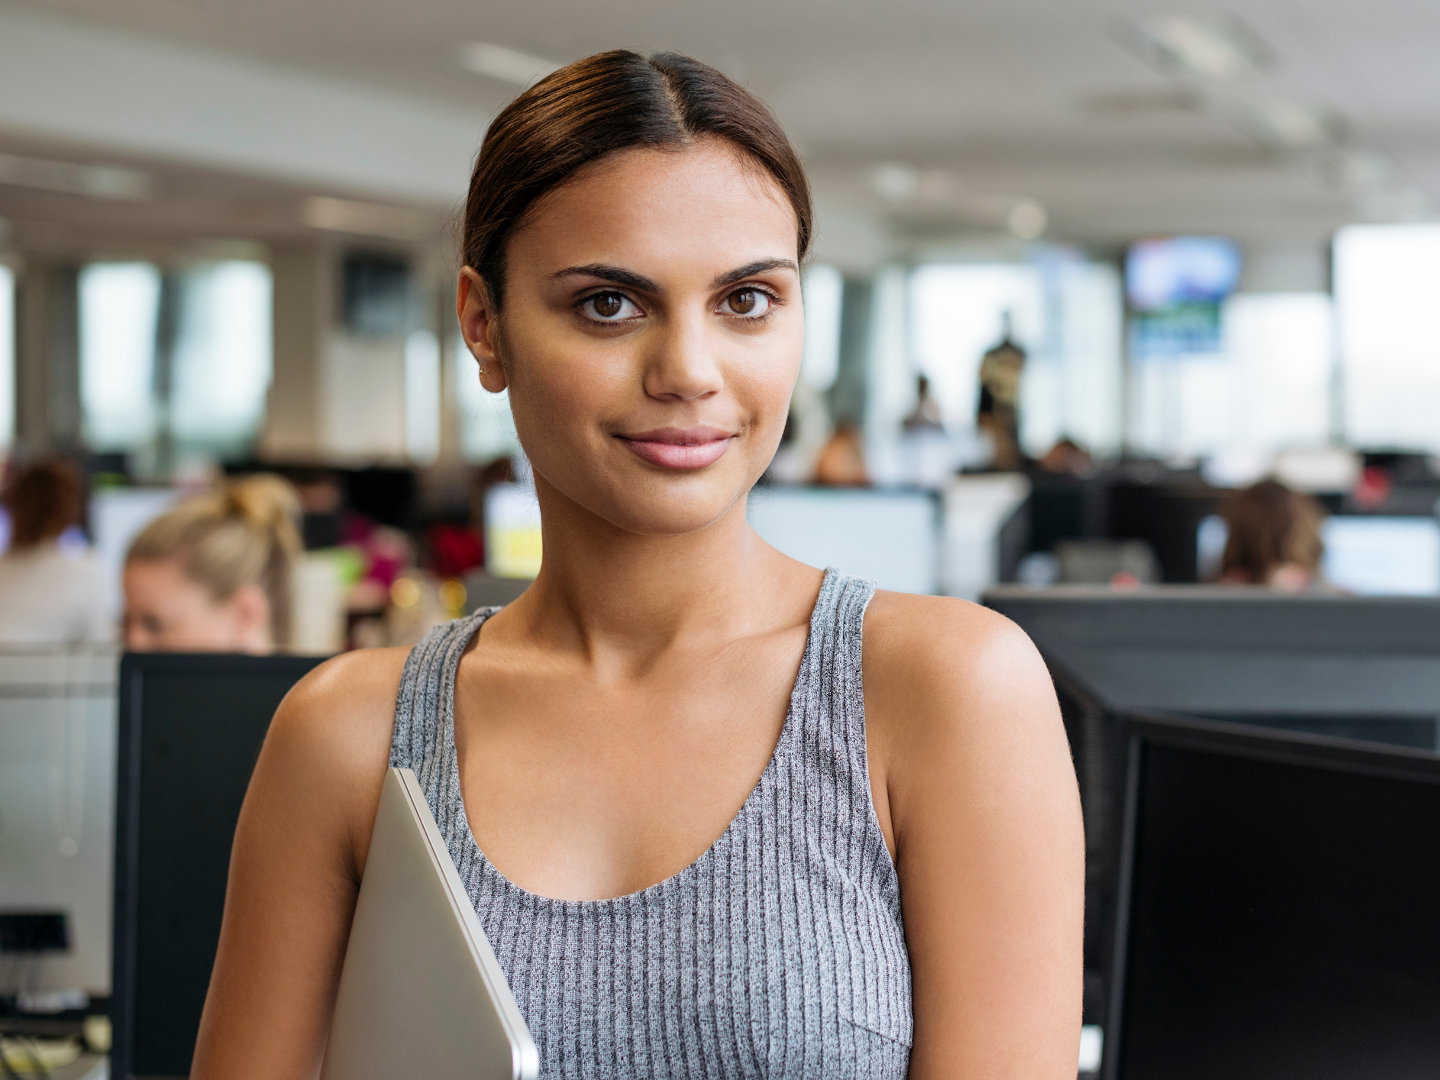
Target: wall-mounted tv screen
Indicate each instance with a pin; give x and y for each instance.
(1175, 287)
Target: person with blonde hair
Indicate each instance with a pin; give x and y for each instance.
(216, 574)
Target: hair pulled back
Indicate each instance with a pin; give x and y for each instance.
(44, 499)
(243, 533)
(597, 106)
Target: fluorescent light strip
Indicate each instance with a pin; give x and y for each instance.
(505, 64)
(69, 178)
(1204, 48)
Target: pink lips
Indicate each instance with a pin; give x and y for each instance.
(679, 448)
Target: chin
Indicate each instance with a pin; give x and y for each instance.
(659, 505)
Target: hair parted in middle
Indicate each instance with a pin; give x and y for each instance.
(600, 105)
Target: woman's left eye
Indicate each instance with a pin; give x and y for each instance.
(748, 303)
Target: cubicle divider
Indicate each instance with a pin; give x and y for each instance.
(57, 786)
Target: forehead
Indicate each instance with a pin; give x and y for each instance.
(706, 205)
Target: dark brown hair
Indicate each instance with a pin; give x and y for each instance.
(1271, 526)
(605, 103)
(44, 500)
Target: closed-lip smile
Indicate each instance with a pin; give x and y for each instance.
(679, 448)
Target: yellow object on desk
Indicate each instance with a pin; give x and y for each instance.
(25, 1055)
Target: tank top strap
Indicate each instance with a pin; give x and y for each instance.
(829, 701)
(425, 702)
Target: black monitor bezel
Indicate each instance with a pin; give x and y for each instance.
(134, 668)
(1238, 740)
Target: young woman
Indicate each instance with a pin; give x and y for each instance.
(217, 572)
(720, 813)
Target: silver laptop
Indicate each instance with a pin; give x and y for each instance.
(421, 993)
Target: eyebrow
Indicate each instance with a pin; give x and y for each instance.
(621, 276)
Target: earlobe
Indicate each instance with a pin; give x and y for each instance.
(251, 611)
(479, 326)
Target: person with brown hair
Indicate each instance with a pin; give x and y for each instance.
(1273, 538)
(216, 574)
(48, 595)
(700, 843)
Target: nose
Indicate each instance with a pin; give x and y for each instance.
(682, 362)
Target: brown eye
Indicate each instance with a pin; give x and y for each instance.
(744, 302)
(609, 307)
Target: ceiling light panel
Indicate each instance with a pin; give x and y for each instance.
(506, 64)
(1218, 48)
(72, 178)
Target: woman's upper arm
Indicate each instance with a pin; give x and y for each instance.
(989, 842)
(294, 872)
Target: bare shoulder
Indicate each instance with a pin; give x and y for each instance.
(329, 743)
(960, 710)
(940, 658)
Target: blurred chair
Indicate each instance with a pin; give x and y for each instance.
(1107, 562)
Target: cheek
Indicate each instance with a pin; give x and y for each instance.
(553, 387)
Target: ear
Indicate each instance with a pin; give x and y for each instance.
(480, 326)
(251, 610)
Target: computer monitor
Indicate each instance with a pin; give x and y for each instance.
(1278, 909)
(57, 816)
(190, 730)
(890, 535)
(1367, 555)
(1382, 556)
(512, 531)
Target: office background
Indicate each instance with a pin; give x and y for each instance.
(1210, 235)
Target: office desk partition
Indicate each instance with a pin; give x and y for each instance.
(57, 784)
(190, 730)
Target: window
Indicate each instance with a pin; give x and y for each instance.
(1267, 389)
(197, 377)
(422, 396)
(823, 289)
(1389, 336)
(221, 357)
(119, 310)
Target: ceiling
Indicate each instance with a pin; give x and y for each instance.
(933, 119)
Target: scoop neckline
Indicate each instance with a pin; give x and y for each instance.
(460, 838)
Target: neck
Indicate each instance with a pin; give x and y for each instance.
(603, 589)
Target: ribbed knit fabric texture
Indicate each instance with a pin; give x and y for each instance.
(778, 953)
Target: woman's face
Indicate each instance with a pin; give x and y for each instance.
(165, 610)
(650, 335)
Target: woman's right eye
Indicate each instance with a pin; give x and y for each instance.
(608, 307)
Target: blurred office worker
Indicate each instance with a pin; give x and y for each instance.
(49, 592)
(216, 574)
(1273, 538)
(658, 767)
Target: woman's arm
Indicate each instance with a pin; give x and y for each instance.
(981, 794)
(294, 872)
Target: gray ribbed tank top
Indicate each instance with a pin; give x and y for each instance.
(777, 953)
